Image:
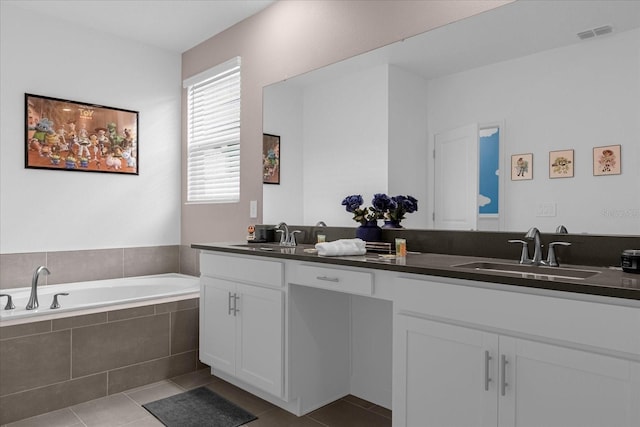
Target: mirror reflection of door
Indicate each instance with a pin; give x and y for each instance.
(456, 175)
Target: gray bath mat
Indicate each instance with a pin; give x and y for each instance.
(200, 407)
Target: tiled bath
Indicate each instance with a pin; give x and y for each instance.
(53, 364)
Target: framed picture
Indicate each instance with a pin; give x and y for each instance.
(522, 167)
(561, 164)
(270, 159)
(607, 160)
(78, 136)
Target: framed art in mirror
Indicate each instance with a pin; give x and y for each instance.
(270, 159)
(522, 167)
(69, 135)
(561, 164)
(607, 160)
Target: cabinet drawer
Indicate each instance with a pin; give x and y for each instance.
(242, 269)
(335, 279)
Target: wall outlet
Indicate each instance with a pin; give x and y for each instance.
(253, 209)
(546, 210)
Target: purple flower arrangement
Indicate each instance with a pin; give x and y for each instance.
(382, 207)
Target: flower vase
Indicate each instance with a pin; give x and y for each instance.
(392, 223)
(369, 232)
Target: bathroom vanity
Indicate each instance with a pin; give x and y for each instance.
(424, 335)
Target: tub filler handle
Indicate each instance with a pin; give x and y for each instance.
(55, 304)
(10, 305)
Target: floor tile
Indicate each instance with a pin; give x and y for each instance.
(155, 392)
(344, 414)
(243, 399)
(60, 418)
(357, 401)
(110, 411)
(280, 418)
(194, 379)
(149, 421)
(382, 411)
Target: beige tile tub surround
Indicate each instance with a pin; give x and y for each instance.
(16, 270)
(48, 365)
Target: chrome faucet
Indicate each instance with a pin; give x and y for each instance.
(321, 224)
(534, 234)
(33, 298)
(561, 230)
(287, 238)
(283, 229)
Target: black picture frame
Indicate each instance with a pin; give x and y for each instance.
(62, 134)
(271, 160)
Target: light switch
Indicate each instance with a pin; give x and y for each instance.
(253, 209)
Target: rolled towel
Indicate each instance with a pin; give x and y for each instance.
(342, 247)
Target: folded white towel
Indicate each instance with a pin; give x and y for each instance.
(342, 247)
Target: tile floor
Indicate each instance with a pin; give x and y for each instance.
(124, 409)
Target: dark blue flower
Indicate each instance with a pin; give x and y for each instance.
(381, 202)
(352, 203)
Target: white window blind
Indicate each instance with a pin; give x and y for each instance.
(213, 134)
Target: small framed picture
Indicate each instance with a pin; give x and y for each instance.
(270, 159)
(561, 164)
(607, 160)
(521, 167)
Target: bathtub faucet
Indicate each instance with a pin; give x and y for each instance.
(33, 298)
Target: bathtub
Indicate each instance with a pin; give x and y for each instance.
(94, 296)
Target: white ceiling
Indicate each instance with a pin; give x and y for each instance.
(175, 25)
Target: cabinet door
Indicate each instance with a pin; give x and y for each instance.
(444, 375)
(217, 324)
(259, 342)
(551, 386)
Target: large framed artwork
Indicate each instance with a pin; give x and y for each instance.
(270, 159)
(78, 136)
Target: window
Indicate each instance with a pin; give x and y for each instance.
(213, 134)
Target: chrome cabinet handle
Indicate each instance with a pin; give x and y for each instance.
(503, 373)
(328, 279)
(229, 303)
(235, 304)
(487, 379)
(55, 304)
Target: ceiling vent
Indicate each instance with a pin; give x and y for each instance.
(600, 31)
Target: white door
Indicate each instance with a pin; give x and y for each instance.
(259, 343)
(217, 324)
(553, 386)
(444, 375)
(456, 179)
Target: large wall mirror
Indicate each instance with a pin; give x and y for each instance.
(372, 123)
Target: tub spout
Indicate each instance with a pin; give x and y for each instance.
(33, 298)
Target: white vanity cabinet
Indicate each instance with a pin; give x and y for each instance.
(498, 358)
(242, 319)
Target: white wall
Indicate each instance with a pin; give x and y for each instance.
(345, 144)
(545, 106)
(42, 210)
(283, 202)
(408, 142)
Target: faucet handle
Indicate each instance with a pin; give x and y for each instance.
(55, 304)
(552, 261)
(292, 237)
(524, 255)
(282, 236)
(10, 305)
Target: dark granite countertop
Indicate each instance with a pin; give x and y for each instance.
(608, 282)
